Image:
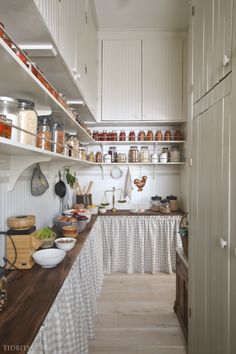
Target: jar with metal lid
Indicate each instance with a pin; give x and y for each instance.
(165, 206)
(107, 158)
(113, 153)
(174, 154)
(142, 135)
(114, 135)
(28, 120)
(5, 129)
(150, 135)
(9, 108)
(164, 157)
(158, 136)
(104, 135)
(167, 135)
(72, 142)
(44, 134)
(98, 157)
(173, 202)
(82, 155)
(122, 136)
(133, 154)
(155, 158)
(122, 157)
(144, 154)
(91, 157)
(132, 135)
(3, 290)
(155, 203)
(58, 134)
(95, 135)
(166, 150)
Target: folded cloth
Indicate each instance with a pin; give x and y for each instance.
(128, 185)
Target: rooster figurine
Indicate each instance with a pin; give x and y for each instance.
(140, 183)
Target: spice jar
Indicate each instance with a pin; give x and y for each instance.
(158, 136)
(28, 120)
(167, 135)
(165, 206)
(44, 133)
(142, 135)
(98, 157)
(3, 290)
(150, 135)
(113, 153)
(144, 154)
(5, 129)
(174, 154)
(9, 108)
(58, 134)
(173, 202)
(133, 154)
(122, 136)
(95, 135)
(132, 135)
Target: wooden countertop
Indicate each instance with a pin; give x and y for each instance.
(148, 212)
(31, 296)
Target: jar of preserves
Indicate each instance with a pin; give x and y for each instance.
(144, 154)
(5, 129)
(22, 56)
(132, 135)
(112, 152)
(28, 120)
(178, 135)
(104, 135)
(150, 135)
(99, 157)
(167, 135)
(158, 135)
(44, 134)
(122, 136)
(9, 108)
(142, 135)
(174, 154)
(58, 134)
(95, 135)
(133, 154)
(173, 202)
(114, 135)
(165, 206)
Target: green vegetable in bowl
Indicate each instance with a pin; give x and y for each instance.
(45, 233)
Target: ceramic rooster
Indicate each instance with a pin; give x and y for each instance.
(140, 183)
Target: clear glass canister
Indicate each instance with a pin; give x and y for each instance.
(58, 133)
(113, 153)
(173, 202)
(155, 203)
(133, 154)
(44, 133)
(28, 120)
(174, 154)
(9, 108)
(144, 154)
(165, 206)
(82, 153)
(74, 141)
(5, 129)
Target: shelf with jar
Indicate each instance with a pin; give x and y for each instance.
(20, 78)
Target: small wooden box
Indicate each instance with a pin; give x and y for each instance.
(25, 246)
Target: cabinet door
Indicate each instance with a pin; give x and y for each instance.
(121, 80)
(209, 224)
(162, 79)
(50, 13)
(82, 46)
(67, 32)
(92, 57)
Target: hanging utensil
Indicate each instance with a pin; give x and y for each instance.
(60, 190)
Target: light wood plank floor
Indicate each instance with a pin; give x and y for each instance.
(135, 316)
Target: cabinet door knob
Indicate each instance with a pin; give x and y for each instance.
(226, 60)
(223, 243)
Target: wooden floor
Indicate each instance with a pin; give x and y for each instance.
(135, 316)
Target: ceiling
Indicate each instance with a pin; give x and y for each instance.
(163, 15)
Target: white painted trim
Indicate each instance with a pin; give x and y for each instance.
(148, 34)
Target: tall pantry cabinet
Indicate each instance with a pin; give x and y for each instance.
(212, 260)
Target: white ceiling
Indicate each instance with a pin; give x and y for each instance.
(164, 15)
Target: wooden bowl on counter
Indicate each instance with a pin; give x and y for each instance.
(70, 231)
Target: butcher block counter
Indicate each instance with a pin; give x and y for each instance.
(42, 301)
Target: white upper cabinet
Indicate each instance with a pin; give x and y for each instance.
(121, 80)
(162, 71)
(212, 38)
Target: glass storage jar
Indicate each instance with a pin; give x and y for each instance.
(73, 145)
(82, 155)
(174, 154)
(113, 153)
(150, 136)
(122, 136)
(5, 129)
(98, 157)
(122, 157)
(9, 108)
(173, 202)
(155, 203)
(95, 135)
(44, 134)
(144, 154)
(133, 154)
(28, 120)
(132, 135)
(165, 206)
(142, 135)
(58, 134)
(159, 135)
(167, 135)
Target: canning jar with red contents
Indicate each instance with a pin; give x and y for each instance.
(5, 129)
(122, 136)
(95, 135)
(150, 136)
(114, 135)
(104, 135)
(142, 135)
(132, 135)
(3, 35)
